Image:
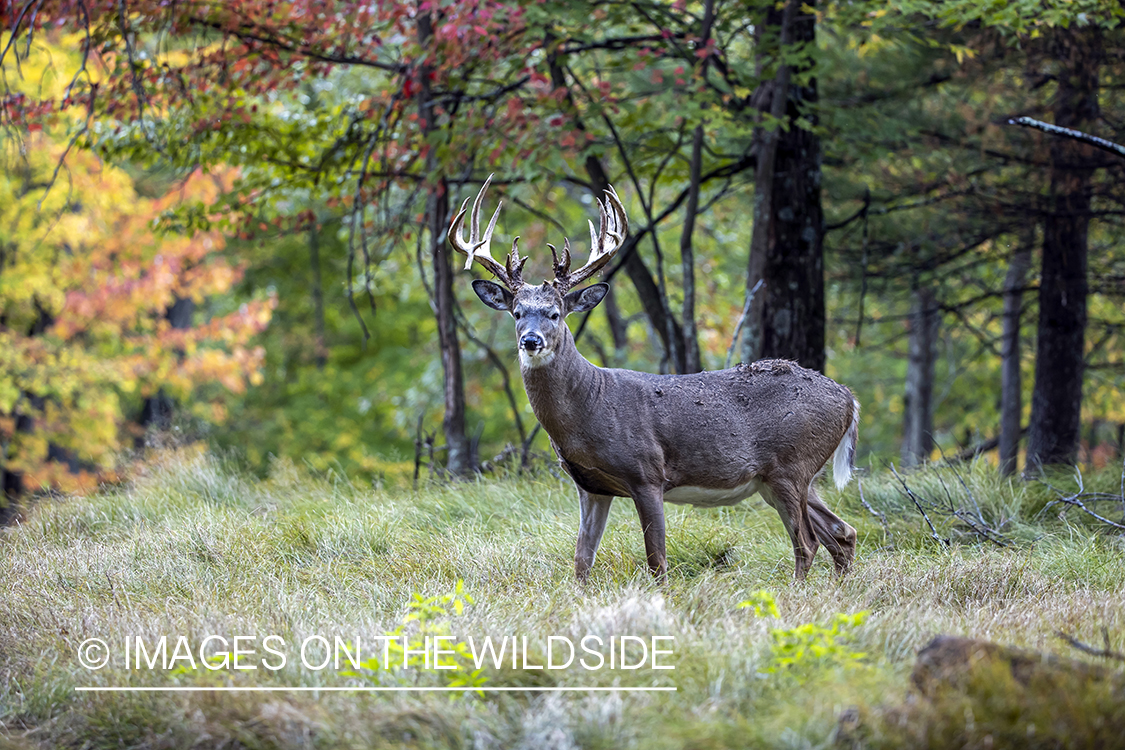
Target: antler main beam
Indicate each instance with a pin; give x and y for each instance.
(477, 248)
(605, 241)
(613, 227)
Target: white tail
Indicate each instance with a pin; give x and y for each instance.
(843, 460)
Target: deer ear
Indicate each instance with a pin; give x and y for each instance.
(493, 295)
(584, 300)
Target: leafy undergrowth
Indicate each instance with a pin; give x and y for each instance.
(194, 548)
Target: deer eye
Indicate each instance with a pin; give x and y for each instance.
(553, 316)
(516, 315)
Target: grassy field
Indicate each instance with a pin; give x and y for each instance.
(194, 548)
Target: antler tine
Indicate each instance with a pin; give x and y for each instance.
(620, 220)
(515, 263)
(560, 265)
(605, 241)
(477, 248)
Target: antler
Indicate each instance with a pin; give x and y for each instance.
(612, 230)
(476, 249)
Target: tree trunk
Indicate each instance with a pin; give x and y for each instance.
(459, 454)
(787, 247)
(667, 328)
(1011, 394)
(917, 411)
(12, 485)
(1056, 402)
(762, 228)
(652, 301)
(618, 328)
(159, 408)
(692, 362)
(459, 461)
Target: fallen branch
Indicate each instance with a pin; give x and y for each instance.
(1076, 502)
(1080, 498)
(1123, 481)
(508, 452)
(918, 504)
(975, 521)
(1104, 653)
(965, 519)
(968, 454)
(888, 539)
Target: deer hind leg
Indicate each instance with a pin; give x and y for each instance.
(650, 508)
(594, 512)
(837, 536)
(792, 505)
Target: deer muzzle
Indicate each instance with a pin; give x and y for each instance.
(531, 342)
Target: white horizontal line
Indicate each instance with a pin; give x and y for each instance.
(336, 689)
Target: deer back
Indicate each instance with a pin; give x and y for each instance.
(709, 429)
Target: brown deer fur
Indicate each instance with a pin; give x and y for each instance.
(708, 439)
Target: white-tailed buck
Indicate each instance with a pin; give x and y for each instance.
(708, 439)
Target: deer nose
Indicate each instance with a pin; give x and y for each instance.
(531, 342)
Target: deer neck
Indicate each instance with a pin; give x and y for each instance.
(565, 388)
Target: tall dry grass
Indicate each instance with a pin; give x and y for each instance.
(193, 547)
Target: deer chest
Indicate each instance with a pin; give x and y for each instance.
(594, 481)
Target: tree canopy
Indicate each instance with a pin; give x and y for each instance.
(855, 158)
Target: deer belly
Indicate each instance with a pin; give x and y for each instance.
(710, 497)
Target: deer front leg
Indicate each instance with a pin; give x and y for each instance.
(650, 508)
(593, 513)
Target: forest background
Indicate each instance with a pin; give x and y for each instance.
(228, 220)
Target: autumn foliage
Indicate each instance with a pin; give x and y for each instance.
(86, 280)
(331, 142)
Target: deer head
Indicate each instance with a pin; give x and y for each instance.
(539, 311)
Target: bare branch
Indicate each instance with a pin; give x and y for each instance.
(1077, 502)
(1104, 653)
(975, 521)
(1080, 498)
(1076, 135)
(16, 25)
(888, 539)
(918, 504)
(248, 33)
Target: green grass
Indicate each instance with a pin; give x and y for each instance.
(193, 547)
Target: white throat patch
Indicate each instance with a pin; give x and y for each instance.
(541, 358)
